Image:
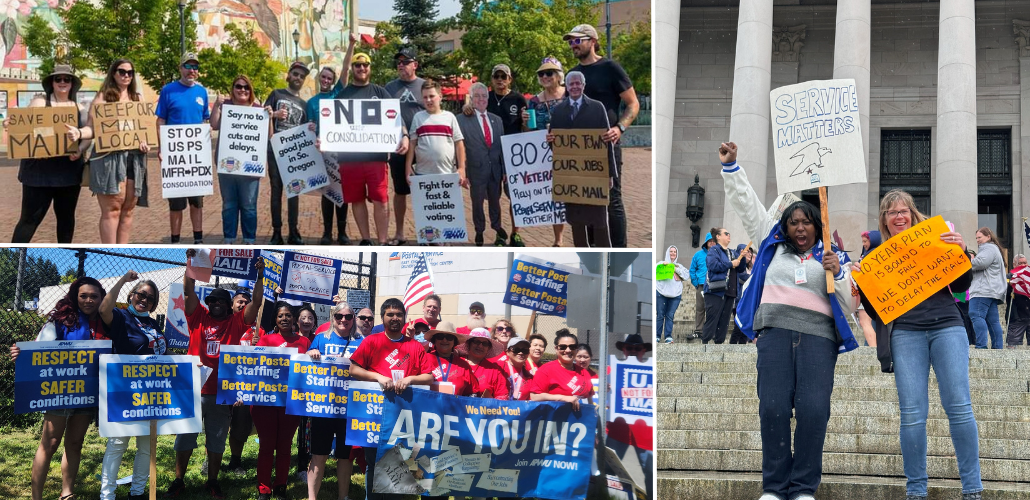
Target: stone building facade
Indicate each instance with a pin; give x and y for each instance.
(944, 93)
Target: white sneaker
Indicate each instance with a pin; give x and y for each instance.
(804, 496)
(769, 496)
(302, 476)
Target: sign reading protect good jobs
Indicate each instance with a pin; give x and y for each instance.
(910, 267)
(40, 132)
(360, 125)
(580, 166)
(301, 164)
(119, 126)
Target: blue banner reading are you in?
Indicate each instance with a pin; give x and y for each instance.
(538, 285)
(58, 375)
(253, 375)
(489, 448)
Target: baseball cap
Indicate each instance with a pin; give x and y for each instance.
(477, 305)
(514, 341)
(550, 62)
(189, 56)
(503, 68)
(300, 65)
(407, 53)
(581, 30)
(361, 57)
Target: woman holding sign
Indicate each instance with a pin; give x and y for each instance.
(931, 334)
(537, 115)
(73, 318)
(798, 330)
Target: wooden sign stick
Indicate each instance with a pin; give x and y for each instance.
(824, 209)
(153, 460)
(532, 321)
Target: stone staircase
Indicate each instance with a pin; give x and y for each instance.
(709, 444)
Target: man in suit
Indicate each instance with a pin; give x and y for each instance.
(485, 168)
(581, 112)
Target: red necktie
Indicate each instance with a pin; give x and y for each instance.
(486, 131)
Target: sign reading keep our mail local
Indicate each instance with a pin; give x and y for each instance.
(817, 135)
(360, 125)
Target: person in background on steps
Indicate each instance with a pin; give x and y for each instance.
(1019, 318)
(668, 294)
(737, 336)
(798, 329)
(987, 290)
(720, 287)
(698, 274)
(929, 335)
(870, 240)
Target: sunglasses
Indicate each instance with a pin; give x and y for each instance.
(519, 350)
(500, 75)
(484, 343)
(126, 72)
(634, 348)
(404, 62)
(145, 296)
(347, 317)
(449, 338)
(241, 87)
(62, 79)
(564, 347)
(365, 318)
(475, 311)
(360, 65)
(191, 67)
(546, 72)
(578, 40)
(503, 328)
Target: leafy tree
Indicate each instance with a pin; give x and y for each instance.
(69, 276)
(38, 273)
(632, 49)
(242, 55)
(388, 42)
(519, 33)
(417, 22)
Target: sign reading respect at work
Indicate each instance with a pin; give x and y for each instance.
(910, 267)
(40, 132)
(123, 125)
(580, 166)
(57, 375)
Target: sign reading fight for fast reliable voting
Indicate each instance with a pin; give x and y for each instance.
(57, 375)
(632, 390)
(253, 375)
(234, 262)
(360, 125)
(538, 285)
(484, 447)
(137, 389)
(817, 135)
(318, 389)
(301, 164)
(439, 208)
(242, 140)
(528, 167)
(310, 278)
(186, 161)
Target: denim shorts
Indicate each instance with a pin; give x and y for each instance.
(71, 412)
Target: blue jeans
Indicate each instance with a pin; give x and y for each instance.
(947, 351)
(239, 204)
(983, 312)
(795, 376)
(665, 311)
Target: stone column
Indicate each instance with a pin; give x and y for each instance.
(749, 112)
(955, 192)
(667, 30)
(1021, 205)
(849, 204)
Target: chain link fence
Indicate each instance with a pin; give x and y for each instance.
(33, 280)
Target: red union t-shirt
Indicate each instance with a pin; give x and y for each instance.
(207, 335)
(488, 376)
(458, 373)
(248, 336)
(276, 339)
(379, 354)
(518, 380)
(553, 378)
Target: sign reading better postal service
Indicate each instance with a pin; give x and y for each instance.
(360, 125)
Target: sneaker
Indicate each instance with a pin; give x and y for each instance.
(214, 489)
(175, 488)
(769, 496)
(365, 243)
(502, 235)
(668, 340)
(264, 496)
(479, 238)
(972, 496)
(804, 496)
(302, 476)
(516, 240)
(326, 240)
(279, 492)
(277, 238)
(501, 239)
(295, 239)
(235, 466)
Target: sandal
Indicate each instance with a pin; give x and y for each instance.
(70, 496)
(398, 243)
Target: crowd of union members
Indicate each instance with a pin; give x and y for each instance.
(476, 361)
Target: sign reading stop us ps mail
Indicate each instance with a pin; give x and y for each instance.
(360, 125)
(817, 135)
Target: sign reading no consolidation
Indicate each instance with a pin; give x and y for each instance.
(580, 166)
(360, 125)
(120, 126)
(186, 161)
(528, 167)
(241, 142)
(40, 132)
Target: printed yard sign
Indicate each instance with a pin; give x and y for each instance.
(360, 125)
(57, 375)
(242, 140)
(439, 208)
(301, 164)
(186, 161)
(40, 132)
(119, 126)
(528, 168)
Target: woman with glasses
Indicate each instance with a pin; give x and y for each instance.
(502, 332)
(561, 380)
(537, 115)
(720, 287)
(931, 334)
(118, 178)
(487, 376)
(516, 368)
(446, 365)
(239, 192)
(132, 331)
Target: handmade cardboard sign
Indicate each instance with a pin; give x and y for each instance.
(910, 267)
(360, 125)
(119, 126)
(40, 132)
(580, 166)
(186, 161)
(242, 141)
(817, 135)
(528, 167)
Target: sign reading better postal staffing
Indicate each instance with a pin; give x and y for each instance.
(360, 125)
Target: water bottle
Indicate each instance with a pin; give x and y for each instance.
(531, 123)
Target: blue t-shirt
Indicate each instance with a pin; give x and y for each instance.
(133, 335)
(335, 345)
(312, 109)
(182, 105)
(81, 331)
(378, 329)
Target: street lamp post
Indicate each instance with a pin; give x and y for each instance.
(608, 26)
(296, 41)
(182, 27)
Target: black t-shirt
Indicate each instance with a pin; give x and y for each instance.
(509, 108)
(605, 81)
(938, 311)
(294, 105)
(410, 94)
(370, 91)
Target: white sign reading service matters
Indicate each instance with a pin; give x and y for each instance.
(301, 164)
(241, 141)
(360, 125)
(439, 208)
(528, 169)
(186, 161)
(817, 135)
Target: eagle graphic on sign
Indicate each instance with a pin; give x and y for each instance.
(811, 156)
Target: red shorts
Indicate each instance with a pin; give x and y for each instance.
(365, 181)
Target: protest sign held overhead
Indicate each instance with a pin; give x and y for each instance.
(360, 125)
(40, 132)
(581, 163)
(538, 285)
(58, 375)
(909, 268)
(310, 278)
(817, 135)
(273, 275)
(119, 126)
(137, 389)
(253, 375)
(318, 389)
(234, 262)
(242, 141)
(439, 208)
(301, 164)
(528, 171)
(631, 394)
(186, 161)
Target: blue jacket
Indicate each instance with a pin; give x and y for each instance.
(744, 274)
(719, 266)
(698, 267)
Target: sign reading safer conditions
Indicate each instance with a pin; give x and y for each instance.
(57, 375)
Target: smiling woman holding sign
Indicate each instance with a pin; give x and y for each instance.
(798, 329)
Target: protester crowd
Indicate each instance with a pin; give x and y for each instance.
(434, 141)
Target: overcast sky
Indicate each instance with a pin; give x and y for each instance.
(382, 10)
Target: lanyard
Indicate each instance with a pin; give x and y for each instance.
(516, 379)
(450, 363)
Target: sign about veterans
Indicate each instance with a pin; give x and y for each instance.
(253, 375)
(40, 132)
(234, 263)
(242, 140)
(58, 375)
(632, 390)
(119, 126)
(301, 164)
(528, 168)
(360, 125)
(580, 166)
(310, 278)
(318, 389)
(817, 135)
(137, 389)
(439, 208)
(186, 161)
(910, 267)
(538, 285)
(477, 447)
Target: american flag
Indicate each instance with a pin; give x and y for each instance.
(420, 284)
(1026, 229)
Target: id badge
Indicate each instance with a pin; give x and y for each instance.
(799, 275)
(397, 375)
